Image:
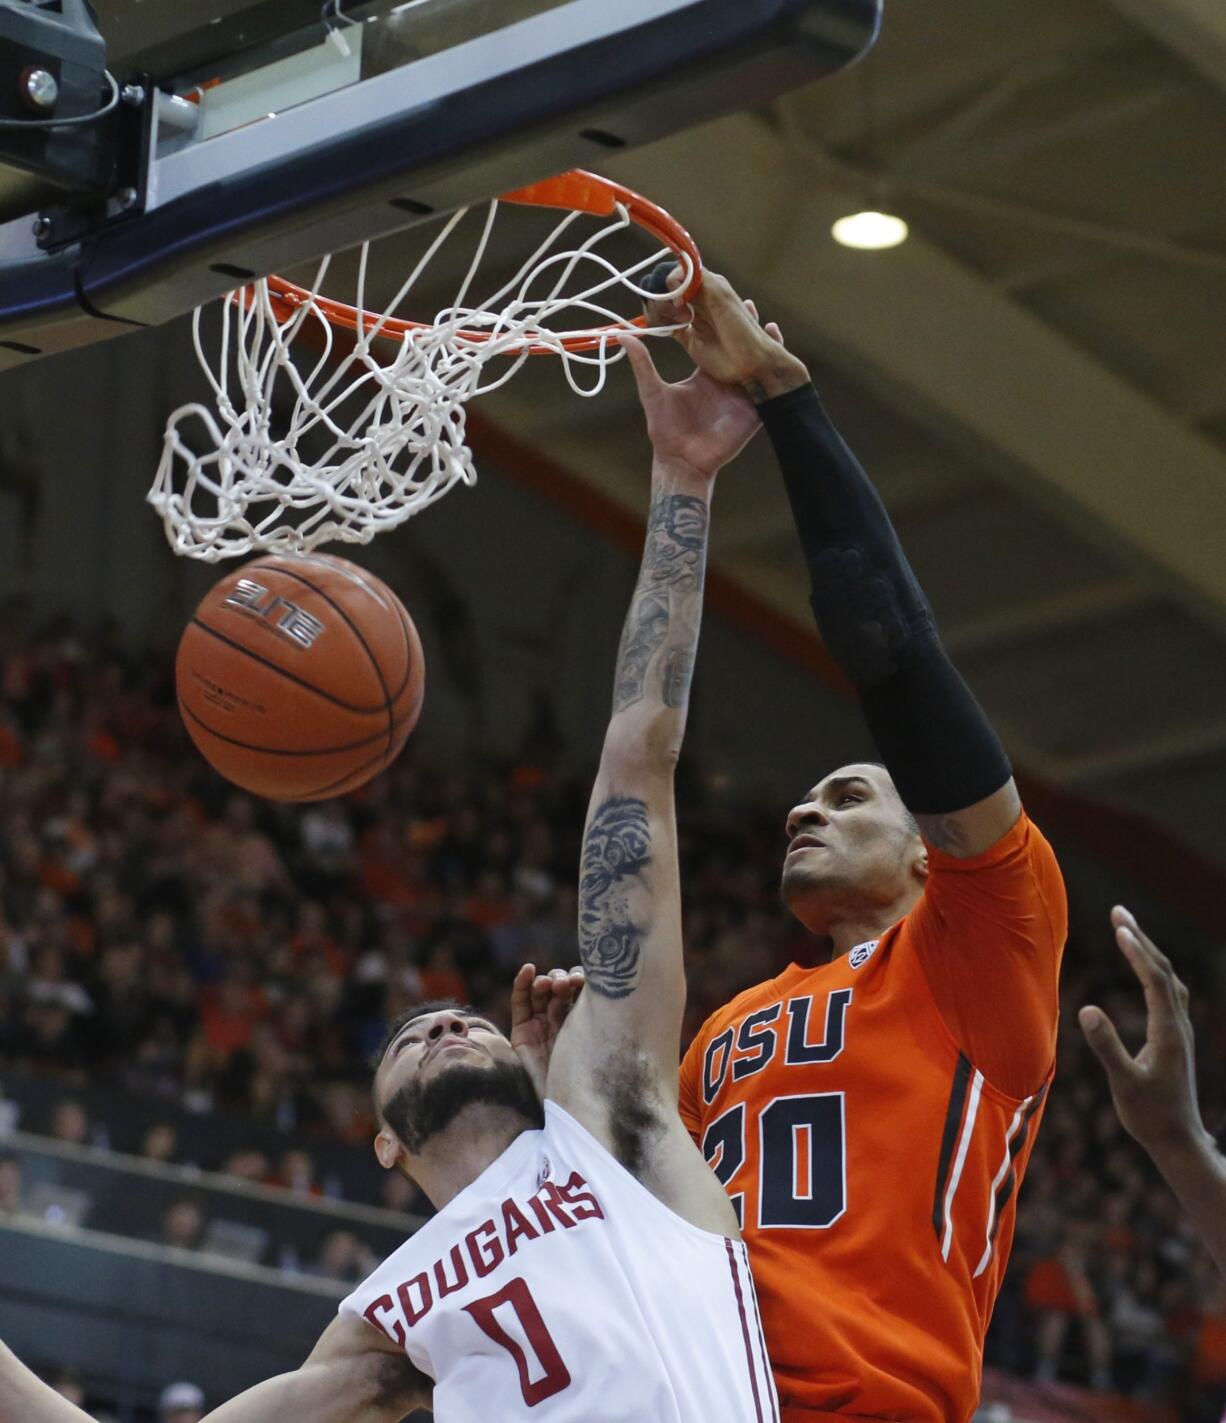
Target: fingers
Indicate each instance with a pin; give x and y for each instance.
(521, 994)
(546, 987)
(669, 313)
(1124, 919)
(1105, 1042)
(664, 277)
(564, 989)
(544, 995)
(574, 981)
(773, 331)
(646, 377)
(717, 291)
(1165, 994)
(664, 280)
(563, 997)
(557, 983)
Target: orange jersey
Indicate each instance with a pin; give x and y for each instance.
(873, 1162)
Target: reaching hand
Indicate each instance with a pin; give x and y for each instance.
(725, 341)
(1155, 1091)
(697, 422)
(539, 1004)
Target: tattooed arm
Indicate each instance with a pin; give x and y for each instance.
(615, 1062)
(943, 756)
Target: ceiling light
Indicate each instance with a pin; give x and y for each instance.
(870, 231)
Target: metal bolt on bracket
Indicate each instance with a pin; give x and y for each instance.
(40, 89)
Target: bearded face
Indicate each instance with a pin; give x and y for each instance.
(422, 1108)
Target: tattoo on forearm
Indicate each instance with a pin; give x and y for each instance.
(678, 672)
(943, 831)
(667, 601)
(645, 630)
(616, 851)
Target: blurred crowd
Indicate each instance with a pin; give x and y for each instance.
(165, 934)
(180, 1402)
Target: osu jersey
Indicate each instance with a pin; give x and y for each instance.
(871, 1119)
(557, 1288)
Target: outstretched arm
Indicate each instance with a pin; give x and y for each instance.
(621, 1039)
(25, 1398)
(945, 761)
(1155, 1091)
(353, 1375)
(944, 758)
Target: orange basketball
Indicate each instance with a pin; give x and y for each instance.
(300, 678)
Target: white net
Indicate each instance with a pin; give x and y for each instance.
(310, 441)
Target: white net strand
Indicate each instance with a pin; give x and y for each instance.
(292, 456)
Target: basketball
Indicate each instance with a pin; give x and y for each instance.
(299, 678)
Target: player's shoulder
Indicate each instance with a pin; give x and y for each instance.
(1023, 847)
(1011, 882)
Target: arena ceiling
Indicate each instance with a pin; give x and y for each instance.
(1036, 380)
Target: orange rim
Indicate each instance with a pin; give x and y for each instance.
(576, 190)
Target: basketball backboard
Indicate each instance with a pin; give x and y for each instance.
(271, 134)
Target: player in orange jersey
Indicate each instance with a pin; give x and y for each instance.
(872, 1118)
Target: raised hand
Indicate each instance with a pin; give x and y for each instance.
(698, 422)
(539, 1004)
(1155, 1091)
(723, 337)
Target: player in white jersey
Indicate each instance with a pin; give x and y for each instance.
(584, 1264)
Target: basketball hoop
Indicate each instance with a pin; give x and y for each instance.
(334, 422)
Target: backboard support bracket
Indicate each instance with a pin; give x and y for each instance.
(491, 114)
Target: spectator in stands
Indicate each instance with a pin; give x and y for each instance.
(10, 1184)
(67, 1383)
(121, 872)
(69, 1123)
(181, 1403)
(49, 983)
(1142, 1357)
(160, 1143)
(345, 1258)
(1208, 1368)
(183, 1225)
(296, 1173)
(400, 1194)
(247, 1166)
(1060, 1292)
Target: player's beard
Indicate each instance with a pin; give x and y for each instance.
(420, 1110)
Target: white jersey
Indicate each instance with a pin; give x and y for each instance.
(556, 1288)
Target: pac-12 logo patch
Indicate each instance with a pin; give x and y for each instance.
(861, 954)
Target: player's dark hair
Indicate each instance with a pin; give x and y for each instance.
(419, 1010)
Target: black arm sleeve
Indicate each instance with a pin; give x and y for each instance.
(876, 622)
